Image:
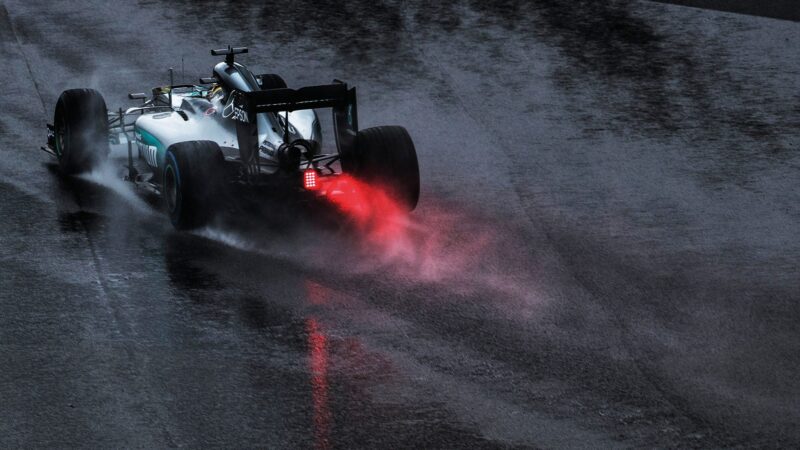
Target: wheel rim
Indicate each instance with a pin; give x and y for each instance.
(170, 189)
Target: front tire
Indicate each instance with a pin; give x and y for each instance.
(81, 130)
(386, 156)
(192, 183)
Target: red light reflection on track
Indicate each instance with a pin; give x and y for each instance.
(318, 349)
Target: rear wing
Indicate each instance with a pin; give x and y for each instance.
(310, 97)
(336, 96)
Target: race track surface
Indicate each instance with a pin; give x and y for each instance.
(605, 253)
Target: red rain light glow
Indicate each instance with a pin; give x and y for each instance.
(370, 207)
(421, 247)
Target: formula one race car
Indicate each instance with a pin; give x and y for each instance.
(236, 128)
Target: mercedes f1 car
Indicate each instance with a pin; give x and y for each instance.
(188, 142)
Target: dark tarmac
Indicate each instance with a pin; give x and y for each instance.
(605, 252)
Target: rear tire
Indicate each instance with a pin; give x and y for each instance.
(193, 183)
(81, 130)
(386, 156)
(271, 81)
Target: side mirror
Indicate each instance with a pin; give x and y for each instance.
(137, 96)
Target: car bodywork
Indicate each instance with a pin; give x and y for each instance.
(261, 130)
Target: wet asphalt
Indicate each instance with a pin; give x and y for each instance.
(605, 253)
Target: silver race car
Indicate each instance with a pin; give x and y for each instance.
(190, 143)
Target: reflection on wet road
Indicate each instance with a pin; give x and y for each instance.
(319, 383)
(604, 254)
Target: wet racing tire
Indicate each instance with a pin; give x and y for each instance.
(193, 183)
(385, 156)
(271, 81)
(81, 130)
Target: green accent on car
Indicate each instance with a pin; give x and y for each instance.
(148, 139)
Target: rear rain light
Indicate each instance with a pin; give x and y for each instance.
(311, 179)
